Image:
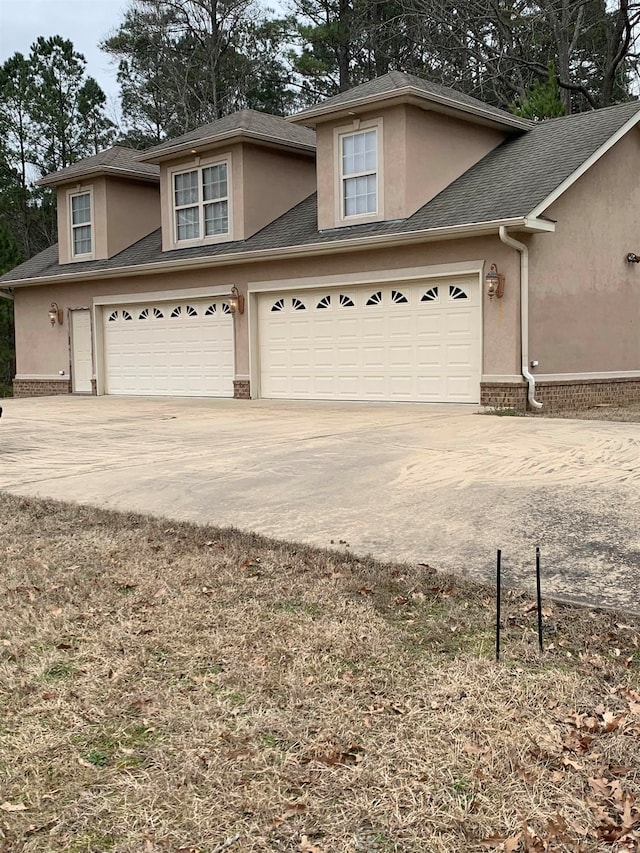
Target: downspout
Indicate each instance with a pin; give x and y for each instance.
(524, 313)
(6, 295)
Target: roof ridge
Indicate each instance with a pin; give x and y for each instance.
(584, 113)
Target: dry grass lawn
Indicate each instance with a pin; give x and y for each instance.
(629, 413)
(166, 687)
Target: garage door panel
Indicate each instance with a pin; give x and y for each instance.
(177, 349)
(373, 357)
(375, 343)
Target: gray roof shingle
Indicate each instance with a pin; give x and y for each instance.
(251, 122)
(116, 160)
(397, 80)
(509, 182)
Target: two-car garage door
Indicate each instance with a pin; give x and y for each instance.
(410, 342)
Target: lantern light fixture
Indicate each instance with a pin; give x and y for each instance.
(236, 303)
(495, 282)
(55, 314)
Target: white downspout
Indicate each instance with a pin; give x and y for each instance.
(524, 313)
(6, 295)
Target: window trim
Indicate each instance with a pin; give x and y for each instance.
(356, 127)
(71, 194)
(198, 165)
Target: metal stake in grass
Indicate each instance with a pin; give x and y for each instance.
(539, 595)
(498, 588)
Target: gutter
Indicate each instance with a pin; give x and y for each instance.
(374, 241)
(524, 313)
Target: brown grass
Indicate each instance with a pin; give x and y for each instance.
(168, 687)
(629, 413)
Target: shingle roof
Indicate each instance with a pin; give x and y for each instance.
(510, 182)
(250, 122)
(396, 81)
(116, 160)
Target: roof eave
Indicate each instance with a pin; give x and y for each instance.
(450, 232)
(196, 146)
(325, 112)
(97, 172)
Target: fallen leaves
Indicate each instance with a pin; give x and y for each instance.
(292, 810)
(13, 807)
(307, 847)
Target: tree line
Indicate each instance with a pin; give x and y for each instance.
(184, 63)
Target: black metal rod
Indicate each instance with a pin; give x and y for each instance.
(539, 595)
(498, 589)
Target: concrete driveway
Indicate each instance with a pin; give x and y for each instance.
(432, 484)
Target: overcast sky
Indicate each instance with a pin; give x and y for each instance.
(84, 22)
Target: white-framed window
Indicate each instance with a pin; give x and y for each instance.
(81, 222)
(201, 202)
(359, 172)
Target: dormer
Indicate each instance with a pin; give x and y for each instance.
(386, 148)
(228, 179)
(105, 203)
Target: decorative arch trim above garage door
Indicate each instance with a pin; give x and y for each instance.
(415, 341)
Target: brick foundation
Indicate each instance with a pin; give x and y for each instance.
(558, 395)
(241, 389)
(503, 395)
(40, 387)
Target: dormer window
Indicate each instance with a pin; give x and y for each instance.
(359, 179)
(201, 203)
(81, 217)
(359, 173)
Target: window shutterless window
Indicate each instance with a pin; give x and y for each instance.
(359, 173)
(201, 202)
(81, 224)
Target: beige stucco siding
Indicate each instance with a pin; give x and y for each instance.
(43, 350)
(273, 182)
(440, 149)
(584, 296)
(132, 212)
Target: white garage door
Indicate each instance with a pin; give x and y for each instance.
(410, 342)
(176, 349)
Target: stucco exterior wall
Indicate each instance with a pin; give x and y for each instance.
(43, 350)
(273, 182)
(132, 212)
(584, 296)
(440, 149)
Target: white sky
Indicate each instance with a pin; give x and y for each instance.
(84, 22)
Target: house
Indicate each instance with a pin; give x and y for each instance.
(400, 241)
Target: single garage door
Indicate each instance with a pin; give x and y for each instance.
(176, 349)
(412, 342)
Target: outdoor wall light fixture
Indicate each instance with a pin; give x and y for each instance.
(236, 303)
(55, 314)
(632, 258)
(495, 282)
